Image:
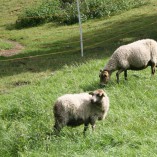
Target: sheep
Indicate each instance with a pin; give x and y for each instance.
(134, 56)
(83, 108)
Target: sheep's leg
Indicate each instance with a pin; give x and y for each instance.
(153, 68)
(92, 122)
(86, 124)
(125, 74)
(93, 127)
(85, 129)
(58, 126)
(118, 73)
(57, 129)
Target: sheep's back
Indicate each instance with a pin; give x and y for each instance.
(136, 54)
(75, 104)
(75, 99)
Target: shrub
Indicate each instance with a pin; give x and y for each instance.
(69, 14)
(100, 8)
(45, 12)
(65, 11)
(68, 1)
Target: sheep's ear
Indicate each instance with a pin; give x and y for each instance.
(100, 72)
(90, 93)
(102, 95)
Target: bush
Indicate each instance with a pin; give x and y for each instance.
(46, 11)
(69, 14)
(68, 1)
(65, 11)
(101, 8)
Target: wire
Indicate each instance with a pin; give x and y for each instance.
(35, 56)
(122, 34)
(28, 57)
(85, 39)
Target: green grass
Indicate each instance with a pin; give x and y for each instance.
(29, 88)
(4, 45)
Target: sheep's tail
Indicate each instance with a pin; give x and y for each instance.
(154, 52)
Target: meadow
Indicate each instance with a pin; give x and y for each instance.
(30, 86)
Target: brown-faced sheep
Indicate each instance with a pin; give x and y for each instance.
(84, 108)
(134, 56)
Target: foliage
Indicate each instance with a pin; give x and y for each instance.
(68, 1)
(65, 11)
(100, 8)
(46, 11)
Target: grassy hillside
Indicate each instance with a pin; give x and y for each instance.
(29, 87)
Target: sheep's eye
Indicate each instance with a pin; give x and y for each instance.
(97, 95)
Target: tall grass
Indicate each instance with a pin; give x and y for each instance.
(129, 129)
(29, 88)
(66, 12)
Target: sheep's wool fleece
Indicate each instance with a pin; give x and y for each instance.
(79, 106)
(75, 103)
(136, 54)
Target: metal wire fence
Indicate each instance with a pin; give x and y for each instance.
(86, 39)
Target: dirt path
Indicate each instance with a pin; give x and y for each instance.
(15, 50)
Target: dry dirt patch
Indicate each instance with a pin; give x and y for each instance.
(15, 50)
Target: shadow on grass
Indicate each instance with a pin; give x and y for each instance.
(98, 46)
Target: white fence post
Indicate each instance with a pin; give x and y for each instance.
(81, 36)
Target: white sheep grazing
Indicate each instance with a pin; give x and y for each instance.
(134, 56)
(84, 108)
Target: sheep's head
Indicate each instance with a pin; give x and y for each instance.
(104, 77)
(97, 96)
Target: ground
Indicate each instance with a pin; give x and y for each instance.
(29, 87)
(17, 47)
